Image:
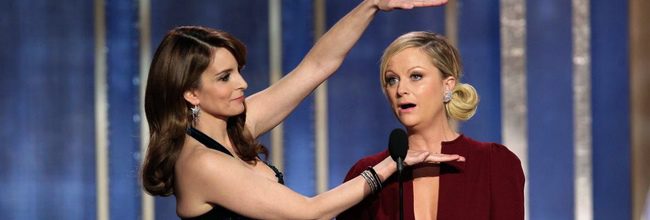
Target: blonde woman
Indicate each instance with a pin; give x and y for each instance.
(420, 75)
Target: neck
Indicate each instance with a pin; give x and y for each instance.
(215, 128)
(430, 138)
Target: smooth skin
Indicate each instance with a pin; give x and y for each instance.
(415, 88)
(205, 176)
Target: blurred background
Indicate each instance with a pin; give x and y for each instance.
(564, 84)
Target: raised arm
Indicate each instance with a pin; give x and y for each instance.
(269, 107)
(225, 181)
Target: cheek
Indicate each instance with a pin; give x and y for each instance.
(430, 90)
(221, 92)
(216, 96)
(391, 102)
(390, 98)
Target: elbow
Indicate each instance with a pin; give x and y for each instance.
(318, 211)
(330, 67)
(325, 66)
(307, 208)
(314, 209)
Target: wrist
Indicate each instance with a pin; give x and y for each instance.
(373, 4)
(385, 168)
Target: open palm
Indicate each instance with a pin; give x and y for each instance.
(387, 5)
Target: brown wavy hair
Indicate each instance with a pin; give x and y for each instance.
(182, 56)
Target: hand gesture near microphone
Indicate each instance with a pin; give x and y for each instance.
(414, 157)
(399, 152)
(398, 149)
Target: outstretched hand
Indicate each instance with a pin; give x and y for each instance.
(415, 157)
(387, 5)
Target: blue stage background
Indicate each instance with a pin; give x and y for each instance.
(47, 73)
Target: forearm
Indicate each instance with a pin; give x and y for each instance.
(269, 107)
(351, 192)
(327, 55)
(330, 50)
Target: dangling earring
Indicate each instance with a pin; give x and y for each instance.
(447, 97)
(195, 113)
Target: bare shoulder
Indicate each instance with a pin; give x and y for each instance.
(201, 162)
(208, 177)
(200, 174)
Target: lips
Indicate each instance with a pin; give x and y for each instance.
(406, 106)
(240, 98)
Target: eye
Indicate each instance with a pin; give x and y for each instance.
(416, 76)
(391, 80)
(225, 77)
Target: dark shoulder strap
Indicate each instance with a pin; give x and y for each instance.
(277, 172)
(206, 140)
(211, 143)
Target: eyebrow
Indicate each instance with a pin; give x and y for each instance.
(388, 70)
(222, 72)
(411, 69)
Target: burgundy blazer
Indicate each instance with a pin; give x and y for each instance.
(489, 185)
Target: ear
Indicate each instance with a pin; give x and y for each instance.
(191, 97)
(449, 83)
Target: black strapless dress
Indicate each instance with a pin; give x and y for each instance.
(217, 211)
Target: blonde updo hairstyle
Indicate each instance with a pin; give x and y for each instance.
(464, 98)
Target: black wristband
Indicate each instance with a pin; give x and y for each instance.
(375, 176)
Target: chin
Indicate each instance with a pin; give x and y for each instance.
(236, 112)
(407, 122)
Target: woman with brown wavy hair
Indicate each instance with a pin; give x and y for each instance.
(202, 144)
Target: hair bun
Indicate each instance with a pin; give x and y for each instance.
(464, 100)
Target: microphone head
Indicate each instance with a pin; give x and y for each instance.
(398, 144)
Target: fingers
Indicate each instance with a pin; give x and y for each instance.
(415, 157)
(438, 158)
(409, 4)
(427, 3)
(401, 4)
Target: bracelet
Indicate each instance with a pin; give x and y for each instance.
(374, 174)
(369, 179)
(372, 179)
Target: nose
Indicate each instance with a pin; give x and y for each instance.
(241, 82)
(402, 89)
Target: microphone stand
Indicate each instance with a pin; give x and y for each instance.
(400, 167)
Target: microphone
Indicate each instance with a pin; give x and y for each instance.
(397, 147)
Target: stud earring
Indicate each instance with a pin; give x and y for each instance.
(447, 97)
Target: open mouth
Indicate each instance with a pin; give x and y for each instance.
(406, 106)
